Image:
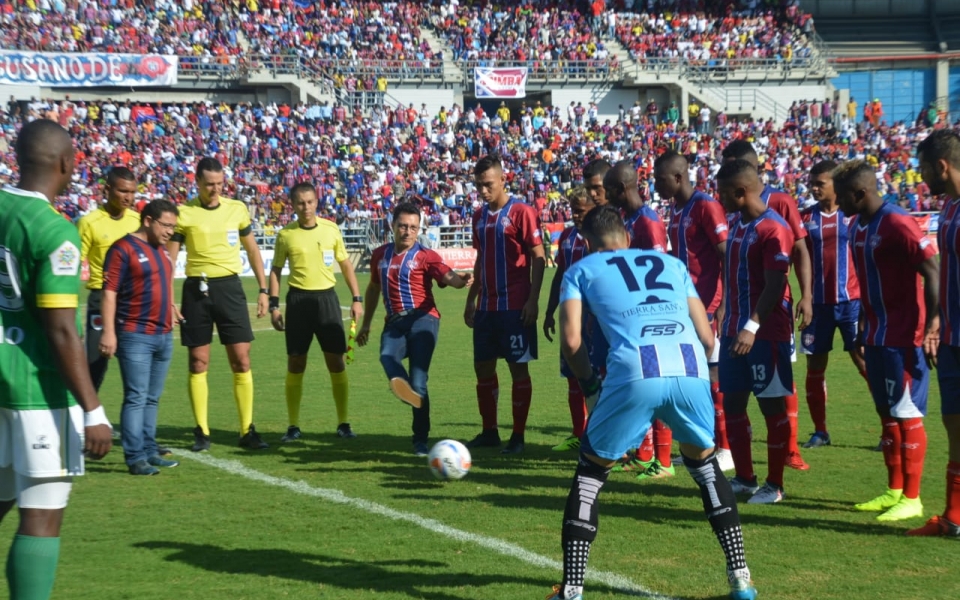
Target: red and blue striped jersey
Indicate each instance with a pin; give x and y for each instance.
(646, 230)
(949, 242)
(504, 239)
(828, 241)
(573, 247)
(406, 278)
(784, 205)
(763, 244)
(141, 276)
(695, 231)
(886, 253)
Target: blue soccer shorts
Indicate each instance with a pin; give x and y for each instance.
(817, 338)
(501, 334)
(625, 411)
(948, 374)
(765, 371)
(899, 380)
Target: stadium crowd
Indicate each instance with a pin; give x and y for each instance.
(352, 33)
(364, 162)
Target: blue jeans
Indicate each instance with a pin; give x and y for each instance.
(144, 360)
(413, 336)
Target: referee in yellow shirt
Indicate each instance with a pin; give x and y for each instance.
(98, 231)
(214, 227)
(311, 245)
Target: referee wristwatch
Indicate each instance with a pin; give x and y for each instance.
(358, 299)
(265, 291)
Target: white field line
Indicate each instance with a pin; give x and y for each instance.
(611, 580)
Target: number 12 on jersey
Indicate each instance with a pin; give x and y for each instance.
(650, 281)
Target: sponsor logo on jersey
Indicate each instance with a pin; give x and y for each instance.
(65, 260)
(653, 306)
(662, 328)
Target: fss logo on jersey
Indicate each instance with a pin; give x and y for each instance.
(662, 328)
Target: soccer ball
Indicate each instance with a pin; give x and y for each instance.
(449, 459)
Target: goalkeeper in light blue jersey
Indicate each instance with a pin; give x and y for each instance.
(659, 339)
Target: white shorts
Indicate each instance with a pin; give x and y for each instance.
(31, 492)
(42, 444)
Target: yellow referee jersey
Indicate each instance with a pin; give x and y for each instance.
(311, 253)
(212, 236)
(98, 231)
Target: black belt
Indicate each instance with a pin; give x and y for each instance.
(399, 315)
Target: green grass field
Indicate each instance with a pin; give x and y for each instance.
(363, 518)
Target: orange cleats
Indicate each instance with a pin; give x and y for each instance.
(937, 526)
(795, 461)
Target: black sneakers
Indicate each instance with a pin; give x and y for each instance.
(488, 438)
(201, 442)
(515, 445)
(293, 434)
(252, 441)
(344, 431)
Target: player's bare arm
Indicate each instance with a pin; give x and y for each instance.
(60, 326)
(256, 263)
(371, 296)
(698, 314)
(772, 294)
(350, 276)
(571, 339)
(276, 315)
(108, 311)
(173, 249)
(457, 280)
(804, 269)
(532, 308)
(553, 302)
(930, 271)
(471, 306)
(718, 314)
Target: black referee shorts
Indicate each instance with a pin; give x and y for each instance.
(314, 314)
(223, 304)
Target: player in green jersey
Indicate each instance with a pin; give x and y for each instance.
(50, 416)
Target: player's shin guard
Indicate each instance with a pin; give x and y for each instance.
(199, 394)
(580, 522)
(243, 394)
(793, 411)
(738, 434)
(817, 399)
(340, 386)
(778, 438)
(32, 567)
(293, 389)
(720, 506)
(662, 441)
(720, 419)
(488, 390)
(578, 409)
(891, 440)
(913, 451)
(952, 513)
(522, 393)
(646, 449)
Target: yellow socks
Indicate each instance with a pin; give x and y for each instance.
(294, 389)
(197, 388)
(341, 394)
(243, 394)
